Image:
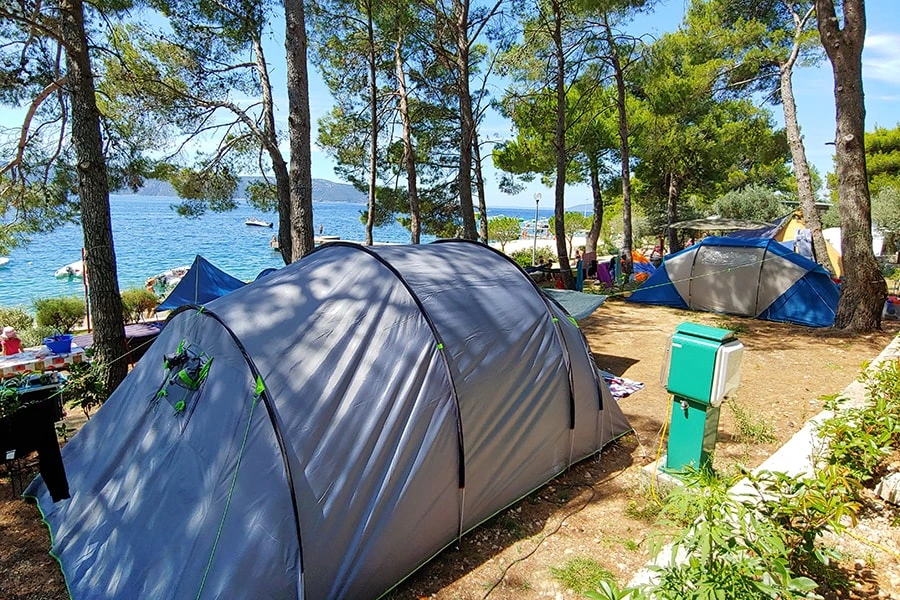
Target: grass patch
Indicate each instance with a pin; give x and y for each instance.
(581, 574)
(751, 429)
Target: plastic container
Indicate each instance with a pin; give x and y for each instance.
(59, 344)
(891, 308)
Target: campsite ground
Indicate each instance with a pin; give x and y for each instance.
(591, 512)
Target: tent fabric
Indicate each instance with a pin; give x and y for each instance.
(202, 283)
(753, 278)
(578, 304)
(786, 230)
(362, 408)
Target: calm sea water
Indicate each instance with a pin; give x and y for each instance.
(150, 238)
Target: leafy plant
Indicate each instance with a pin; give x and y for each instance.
(59, 313)
(10, 401)
(16, 318)
(86, 386)
(136, 302)
(750, 429)
(523, 257)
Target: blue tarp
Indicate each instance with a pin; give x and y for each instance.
(202, 283)
(748, 277)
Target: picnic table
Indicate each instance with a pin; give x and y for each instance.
(39, 358)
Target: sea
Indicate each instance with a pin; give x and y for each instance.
(151, 238)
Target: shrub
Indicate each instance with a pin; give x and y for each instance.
(59, 313)
(136, 302)
(17, 318)
(523, 257)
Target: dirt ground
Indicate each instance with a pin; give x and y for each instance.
(585, 513)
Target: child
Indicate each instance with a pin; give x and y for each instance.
(10, 341)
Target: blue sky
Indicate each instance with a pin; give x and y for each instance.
(813, 87)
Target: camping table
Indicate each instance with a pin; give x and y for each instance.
(38, 358)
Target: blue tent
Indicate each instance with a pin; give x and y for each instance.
(747, 277)
(202, 283)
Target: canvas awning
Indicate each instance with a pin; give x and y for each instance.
(717, 223)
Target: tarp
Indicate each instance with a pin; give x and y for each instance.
(754, 278)
(360, 409)
(786, 230)
(202, 283)
(578, 304)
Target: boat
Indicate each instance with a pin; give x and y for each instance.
(3, 260)
(162, 283)
(73, 270)
(258, 223)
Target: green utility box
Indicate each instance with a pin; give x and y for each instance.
(703, 367)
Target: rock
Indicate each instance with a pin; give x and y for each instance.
(889, 488)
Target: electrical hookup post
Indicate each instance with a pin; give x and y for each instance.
(701, 368)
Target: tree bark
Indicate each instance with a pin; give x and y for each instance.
(409, 153)
(466, 119)
(560, 144)
(279, 165)
(590, 242)
(373, 125)
(479, 185)
(624, 151)
(672, 213)
(798, 152)
(299, 130)
(93, 192)
(864, 289)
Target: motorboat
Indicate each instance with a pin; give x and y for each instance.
(163, 283)
(3, 260)
(258, 223)
(73, 270)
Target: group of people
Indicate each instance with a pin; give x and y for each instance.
(9, 341)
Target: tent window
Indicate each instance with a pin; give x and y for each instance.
(185, 371)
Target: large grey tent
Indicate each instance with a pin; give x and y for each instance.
(354, 412)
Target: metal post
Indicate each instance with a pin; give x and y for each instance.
(537, 203)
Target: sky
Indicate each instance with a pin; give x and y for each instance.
(813, 88)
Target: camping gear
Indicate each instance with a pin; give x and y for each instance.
(60, 343)
(752, 278)
(202, 282)
(360, 409)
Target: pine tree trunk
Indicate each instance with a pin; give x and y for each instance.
(590, 242)
(279, 165)
(93, 192)
(466, 120)
(624, 150)
(864, 289)
(798, 152)
(373, 125)
(409, 153)
(299, 130)
(672, 213)
(479, 186)
(562, 250)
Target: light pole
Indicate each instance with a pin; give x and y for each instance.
(537, 203)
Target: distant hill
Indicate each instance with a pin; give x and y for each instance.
(323, 190)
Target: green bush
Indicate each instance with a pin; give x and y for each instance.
(62, 314)
(136, 302)
(86, 386)
(35, 335)
(17, 318)
(523, 257)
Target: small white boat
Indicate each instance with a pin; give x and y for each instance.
(257, 223)
(71, 271)
(3, 260)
